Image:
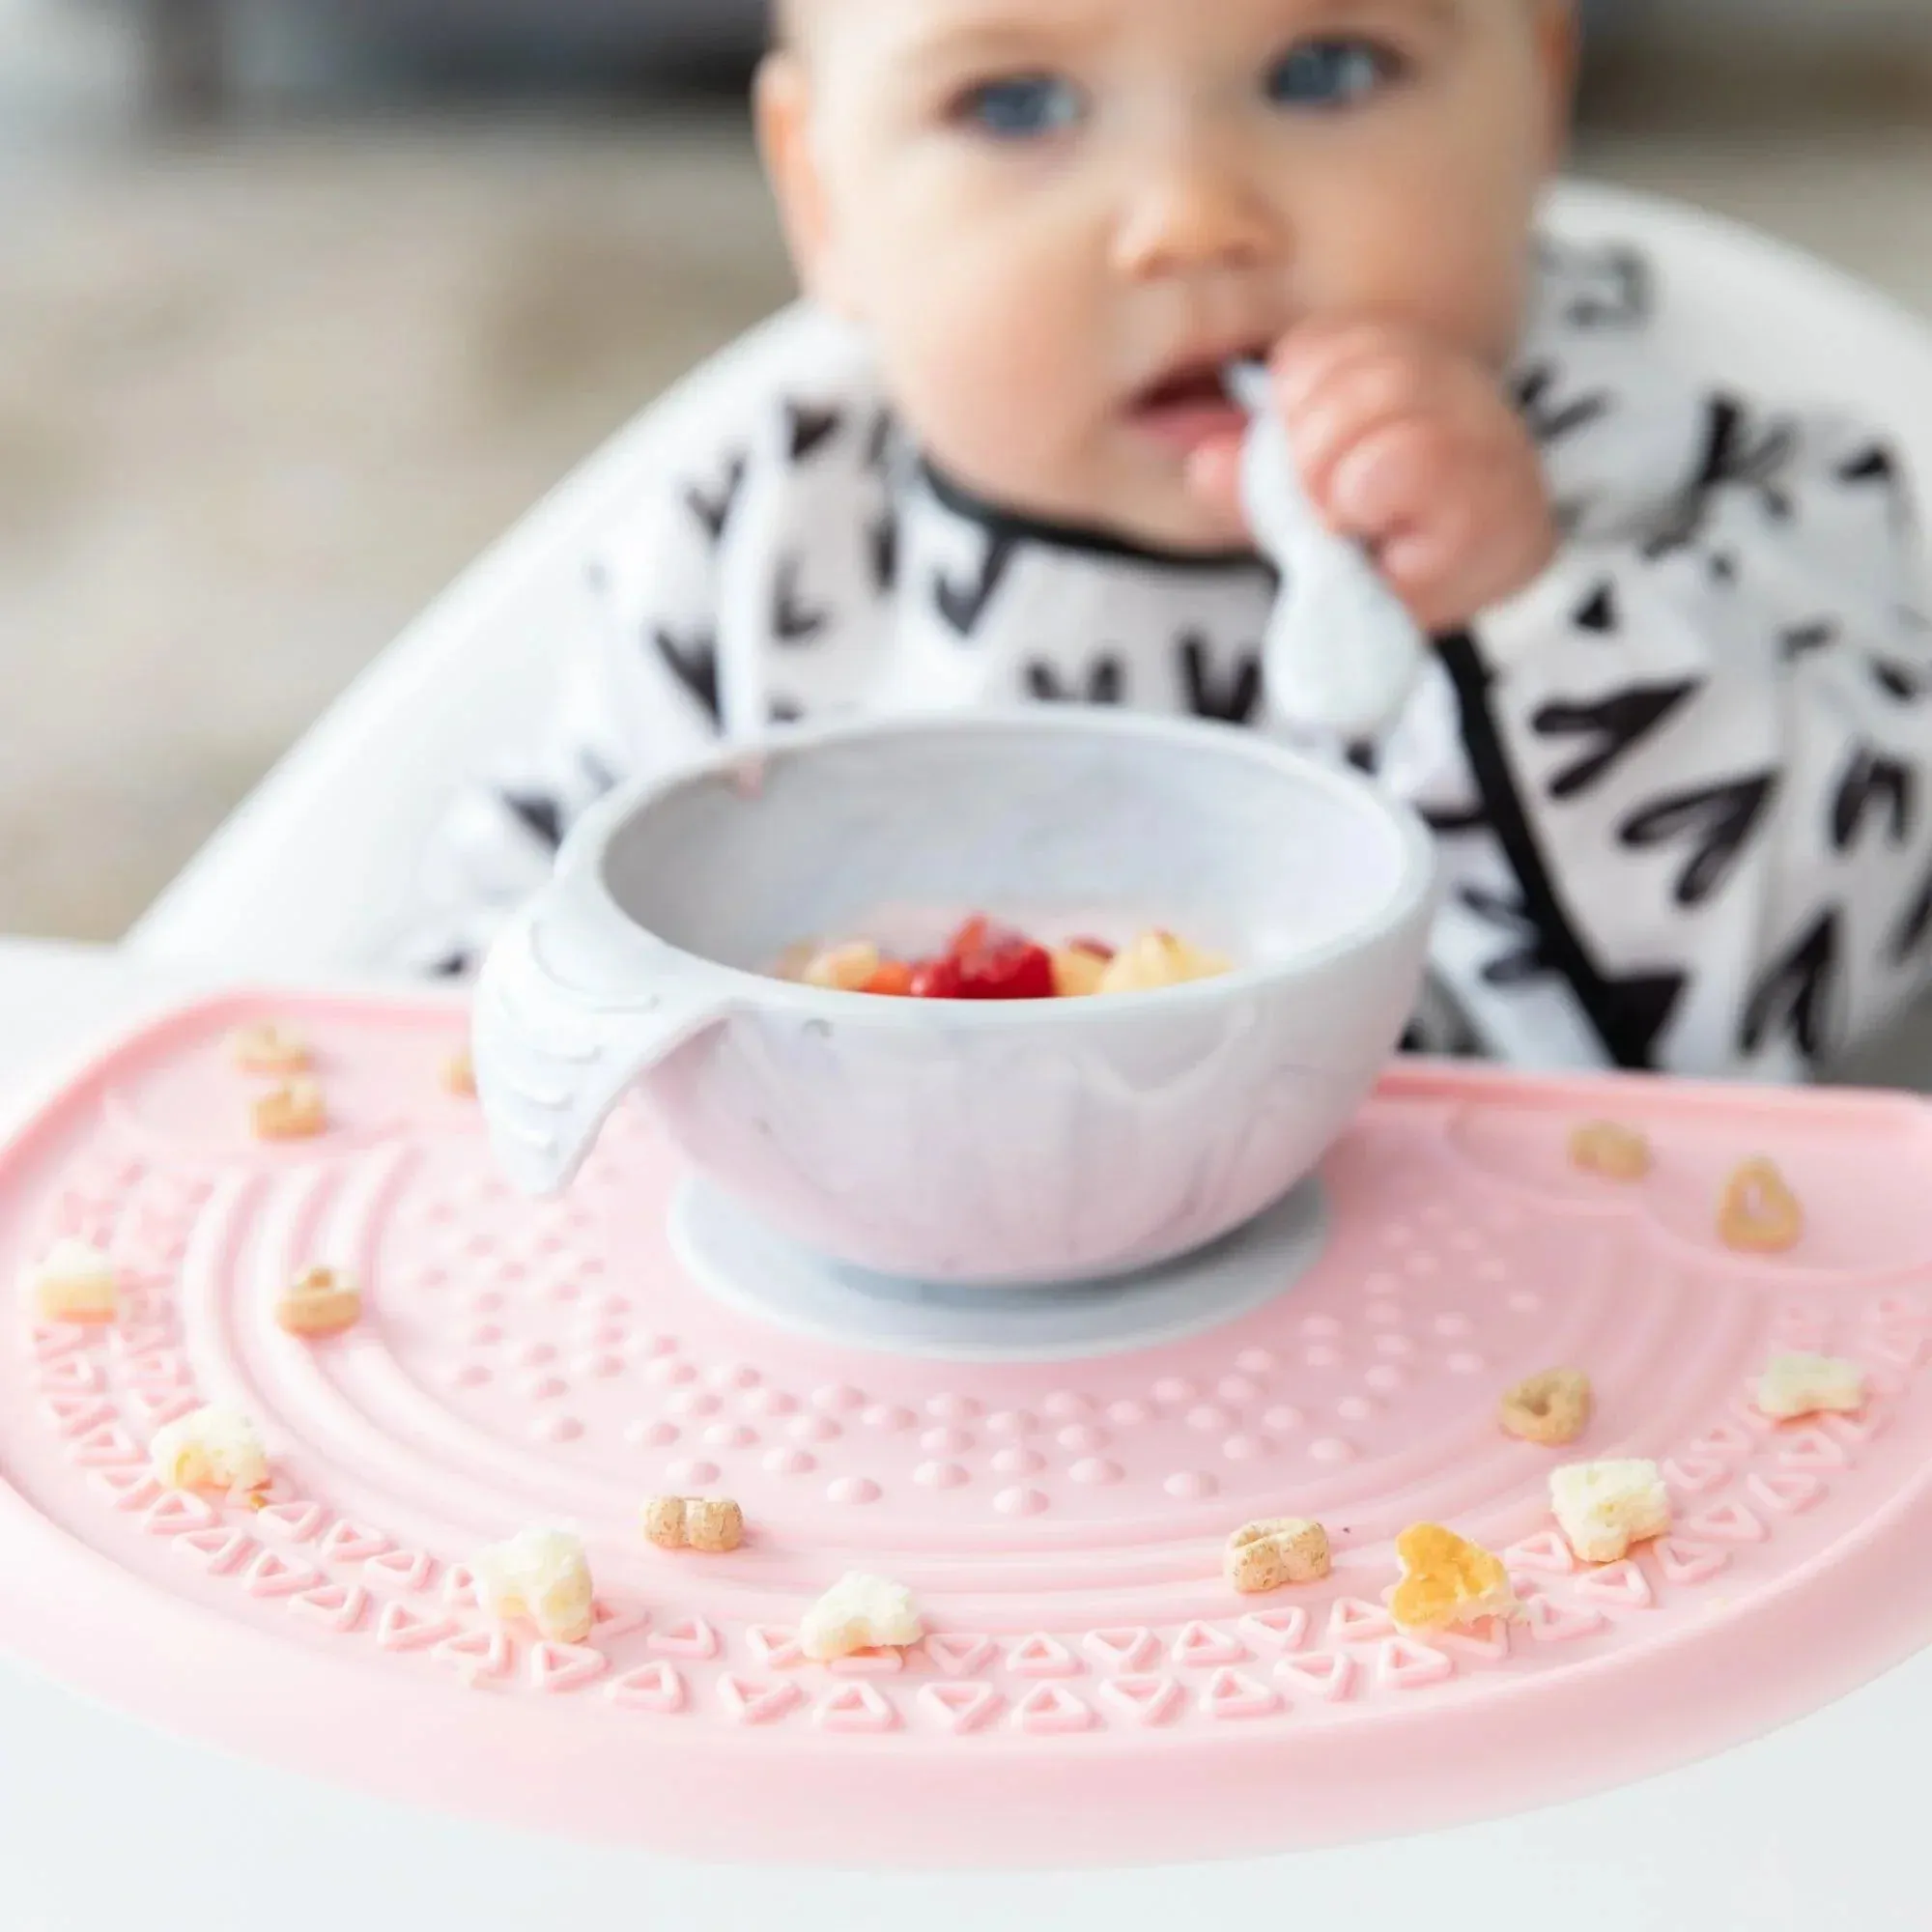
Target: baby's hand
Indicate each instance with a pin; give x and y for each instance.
(1409, 446)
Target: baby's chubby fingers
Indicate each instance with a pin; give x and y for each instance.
(1482, 540)
(1333, 381)
(1322, 351)
(1397, 478)
(1358, 405)
(1407, 445)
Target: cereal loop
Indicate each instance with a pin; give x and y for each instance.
(292, 1112)
(1606, 1149)
(320, 1303)
(268, 1048)
(1759, 1214)
(1553, 1408)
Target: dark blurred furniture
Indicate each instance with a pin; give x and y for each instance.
(190, 46)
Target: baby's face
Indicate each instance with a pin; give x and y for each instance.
(1057, 218)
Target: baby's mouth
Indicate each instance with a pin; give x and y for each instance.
(1191, 406)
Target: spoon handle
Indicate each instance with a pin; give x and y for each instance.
(1343, 654)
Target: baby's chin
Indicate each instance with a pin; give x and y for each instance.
(1168, 514)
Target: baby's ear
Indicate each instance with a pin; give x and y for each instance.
(783, 101)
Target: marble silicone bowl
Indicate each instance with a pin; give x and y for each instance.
(998, 1143)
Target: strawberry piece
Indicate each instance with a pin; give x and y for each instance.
(972, 937)
(1014, 970)
(937, 979)
(986, 961)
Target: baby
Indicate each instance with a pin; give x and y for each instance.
(1673, 736)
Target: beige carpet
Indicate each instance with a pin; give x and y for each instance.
(260, 400)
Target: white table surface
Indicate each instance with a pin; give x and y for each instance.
(107, 1826)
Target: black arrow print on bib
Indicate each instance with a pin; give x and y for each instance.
(1748, 455)
(1739, 454)
(1872, 780)
(1106, 683)
(1451, 821)
(1618, 723)
(1233, 699)
(1617, 290)
(884, 542)
(1720, 818)
(694, 665)
(808, 430)
(1552, 415)
(1803, 640)
(793, 621)
(1914, 927)
(1529, 958)
(1903, 684)
(713, 509)
(963, 605)
(1798, 994)
(1637, 1010)
(1878, 465)
(1601, 614)
(538, 813)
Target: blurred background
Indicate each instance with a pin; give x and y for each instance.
(304, 302)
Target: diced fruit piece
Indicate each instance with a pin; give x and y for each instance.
(893, 980)
(975, 933)
(1157, 960)
(1077, 972)
(937, 979)
(1016, 970)
(845, 969)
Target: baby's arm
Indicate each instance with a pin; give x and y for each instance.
(740, 584)
(1693, 754)
(1711, 733)
(639, 694)
(1681, 773)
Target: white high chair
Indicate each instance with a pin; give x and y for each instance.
(314, 873)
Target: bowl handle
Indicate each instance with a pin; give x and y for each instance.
(572, 1008)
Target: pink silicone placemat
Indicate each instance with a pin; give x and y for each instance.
(1090, 1691)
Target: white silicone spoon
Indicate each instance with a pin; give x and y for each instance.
(1343, 655)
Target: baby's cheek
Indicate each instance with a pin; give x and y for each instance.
(1443, 248)
(995, 370)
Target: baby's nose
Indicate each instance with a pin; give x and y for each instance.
(1193, 214)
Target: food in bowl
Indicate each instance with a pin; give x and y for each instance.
(988, 960)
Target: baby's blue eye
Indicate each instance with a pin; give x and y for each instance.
(1023, 108)
(1329, 74)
